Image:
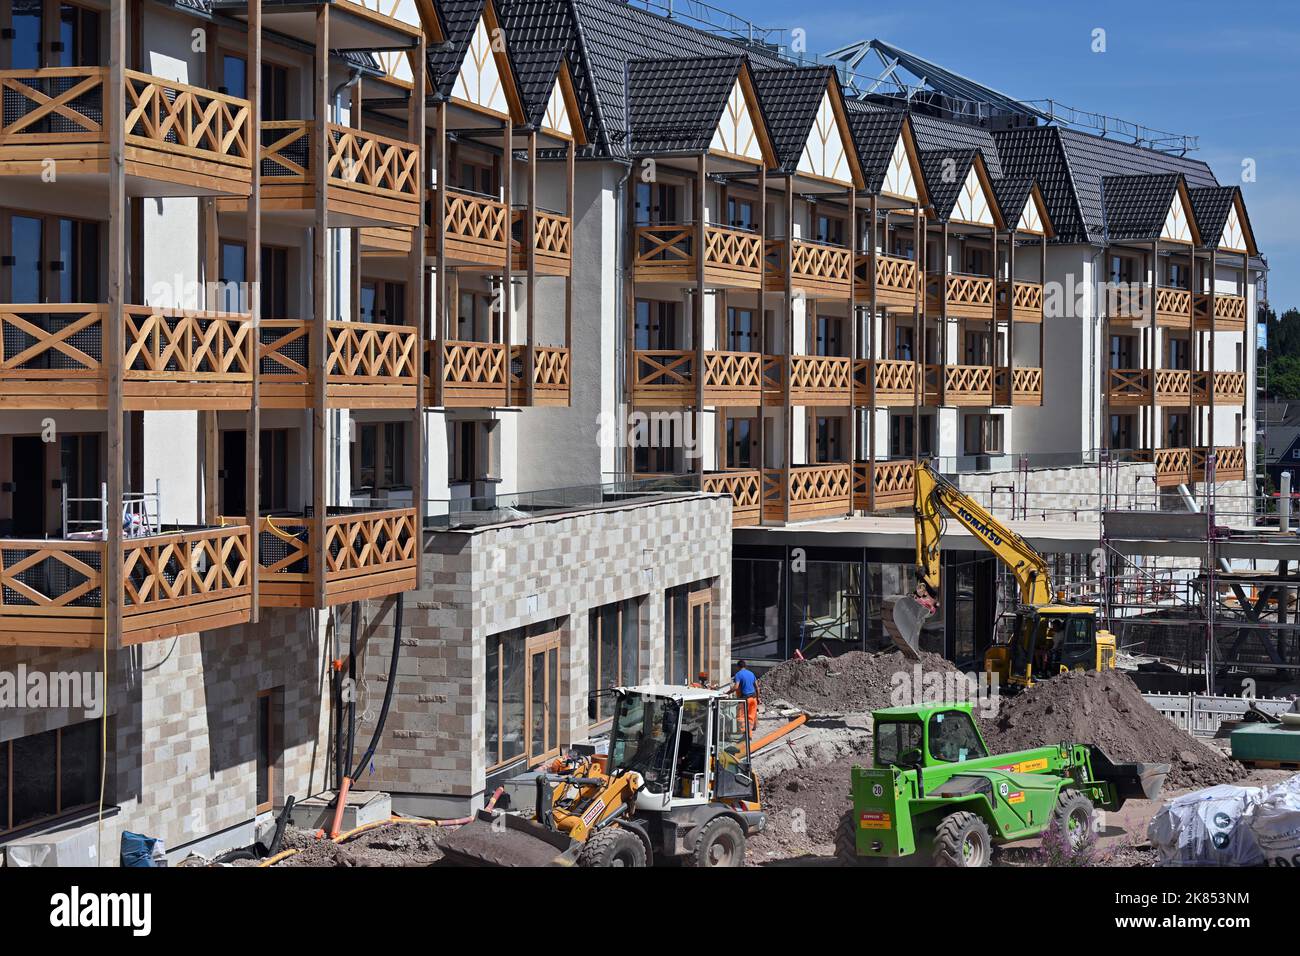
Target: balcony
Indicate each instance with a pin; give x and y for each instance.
(817, 268)
(733, 258)
(1026, 386)
(1131, 303)
(551, 375)
(368, 365)
(1131, 387)
(474, 234)
(1024, 299)
(966, 296)
(814, 379)
(371, 180)
(666, 378)
(896, 281)
(1229, 312)
(1229, 388)
(893, 381)
(52, 356)
(181, 140)
(894, 483)
(814, 491)
(1229, 463)
(958, 385)
(552, 242)
(744, 486)
(473, 375)
(368, 554)
(177, 582)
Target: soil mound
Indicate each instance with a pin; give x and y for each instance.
(853, 682)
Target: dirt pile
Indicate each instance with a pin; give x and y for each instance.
(853, 682)
(803, 808)
(1105, 708)
(395, 845)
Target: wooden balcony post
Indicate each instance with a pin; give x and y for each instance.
(319, 349)
(1155, 342)
(853, 337)
(872, 225)
(115, 109)
(629, 318)
(1213, 374)
(918, 327)
(415, 299)
(569, 150)
(943, 317)
(789, 345)
(1011, 311)
(442, 312)
(1108, 298)
(762, 329)
(507, 292)
(697, 312)
(253, 268)
(530, 263)
(1042, 309)
(208, 419)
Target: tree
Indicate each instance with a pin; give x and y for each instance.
(1280, 358)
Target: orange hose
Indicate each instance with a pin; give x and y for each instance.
(777, 734)
(338, 807)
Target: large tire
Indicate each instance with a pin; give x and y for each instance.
(962, 839)
(1074, 815)
(721, 843)
(846, 845)
(613, 846)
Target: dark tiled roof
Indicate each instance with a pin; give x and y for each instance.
(945, 172)
(1036, 152)
(674, 105)
(1136, 205)
(790, 99)
(459, 18)
(535, 70)
(1011, 193)
(1210, 207)
(937, 134)
(875, 131)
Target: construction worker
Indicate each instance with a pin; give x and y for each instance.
(745, 686)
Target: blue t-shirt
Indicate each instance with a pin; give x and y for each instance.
(747, 681)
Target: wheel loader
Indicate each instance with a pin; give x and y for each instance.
(1049, 636)
(676, 784)
(935, 794)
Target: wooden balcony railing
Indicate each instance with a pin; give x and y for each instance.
(666, 377)
(473, 375)
(814, 379)
(968, 296)
(817, 268)
(1173, 466)
(1173, 306)
(194, 140)
(1023, 299)
(52, 356)
(1026, 386)
(1229, 463)
(551, 375)
(368, 365)
(745, 488)
(552, 242)
(733, 258)
(1229, 387)
(896, 280)
(1131, 387)
(894, 381)
(1229, 312)
(894, 483)
(814, 491)
(965, 385)
(475, 230)
(52, 591)
(368, 554)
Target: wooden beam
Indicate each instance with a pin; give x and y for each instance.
(507, 293)
(762, 332)
(320, 308)
(253, 266)
(530, 262)
(115, 110)
(415, 295)
(697, 312)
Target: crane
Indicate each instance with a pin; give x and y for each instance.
(1049, 636)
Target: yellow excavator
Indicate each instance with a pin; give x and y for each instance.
(1049, 636)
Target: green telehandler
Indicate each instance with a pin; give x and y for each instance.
(935, 791)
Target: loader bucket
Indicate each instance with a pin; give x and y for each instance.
(1132, 781)
(496, 838)
(903, 622)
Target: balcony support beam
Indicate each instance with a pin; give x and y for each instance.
(762, 332)
(115, 108)
(253, 266)
(788, 377)
(569, 150)
(918, 326)
(852, 319)
(873, 224)
(442, 310)
(697, 311)
(530, 261)
(507, 291)
(1154, 352)
(320, 305)
(417, 290)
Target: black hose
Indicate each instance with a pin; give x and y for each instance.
(352, 677)
(339, 768)
(276, 840)
(388, 691)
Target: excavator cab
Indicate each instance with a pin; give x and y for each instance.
(1051, 640)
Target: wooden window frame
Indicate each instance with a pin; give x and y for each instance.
(7, 830)
(484, 449)
(548, 638)
(268, 699)
(384, 432)
(595, 621)
(697, 593)
(987, 425)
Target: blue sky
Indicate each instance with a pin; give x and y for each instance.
(1226, 72)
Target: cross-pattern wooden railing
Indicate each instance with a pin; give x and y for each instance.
(1176, 303)
(1229, 463)
(1026, 385)
(374, 163)
(894, 380)
(473, 374)
(1173, 386)
(1173, 466)
(815, 491)
(551, 370)
(1126, 300)
(187, 120)
(896, 280)
(1229, 387)
(366, 363)
(172, 583)
(187, 346)
(475, 228)
(964, 293)
(1025, 299)
(55, 105)
(1229, 311)
(814, 379)
(968, 385)
(367, 353)
(744, 486)
(894, 483)
(667, 376)
(552, 241)
(666, 252)
(735, 250)
(815, 267)
(1128, 386)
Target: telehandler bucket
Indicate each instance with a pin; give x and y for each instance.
(496, 838)
(903, 622)
(1132, 781)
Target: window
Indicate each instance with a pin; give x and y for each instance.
(383, 302)
(829, 439)
(48, 774)
(51, 259)
(1176, 353)
(688, 633)
(477, 318)
(828, 229)
(1122, 351)
(1121, 432)
(78, 42)
(830, 336)
(656, 203)
(1176, 274)
(953, 737)
(80, 471)
(742, 333)
(903, 342)
(274, 93)
(901, 438)
(269, 706)
(975, 261)
(273, 486)
(478, 174)
(979, 348)
(656, 324)
(522, 683)
(742, 443)
(896, 739)
(740, 213)
(983, 434)
(378, 455)
(1177, 430)
(613, 652)
(1121, 269)
(474, 451)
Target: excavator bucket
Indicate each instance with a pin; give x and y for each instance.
(496, 838)
(903, 620)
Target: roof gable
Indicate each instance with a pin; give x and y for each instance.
(975, 204)
(959, 187)
(1235, 237)
(827, 152)
(901, 177)
(1179, 223)
(480, 82)
(736, 133)
(696, 105)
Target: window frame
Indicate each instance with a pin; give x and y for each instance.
(7, 829)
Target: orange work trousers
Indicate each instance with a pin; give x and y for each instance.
(753, 713)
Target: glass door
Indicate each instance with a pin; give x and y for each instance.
(700, 639)
(542, 717)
